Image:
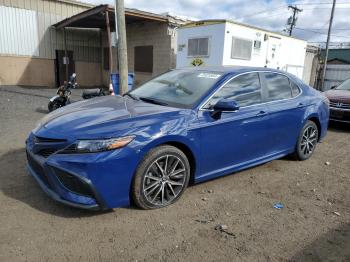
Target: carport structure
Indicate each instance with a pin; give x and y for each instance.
(151, 40)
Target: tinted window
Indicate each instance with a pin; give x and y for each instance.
(244, 89)
(277, 86)
(295, 89)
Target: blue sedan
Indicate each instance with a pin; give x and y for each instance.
(184, 126)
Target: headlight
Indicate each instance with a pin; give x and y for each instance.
(92, 146)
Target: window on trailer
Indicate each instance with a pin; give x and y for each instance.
(241, 48)
(198, 46)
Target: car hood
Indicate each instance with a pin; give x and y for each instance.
(105, 117)
(342, 96)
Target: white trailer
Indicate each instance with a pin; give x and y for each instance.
(225, 43)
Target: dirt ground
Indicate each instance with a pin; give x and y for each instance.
(314, 225)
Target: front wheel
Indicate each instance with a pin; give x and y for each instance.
(161, 178)
(307, 141)
(53, 105)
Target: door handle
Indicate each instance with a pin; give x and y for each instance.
(261, 114)
(300, 104)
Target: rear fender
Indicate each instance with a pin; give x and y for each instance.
(318, 112)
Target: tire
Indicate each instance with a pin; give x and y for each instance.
(53, 105)
(153, 187)
(307, 141)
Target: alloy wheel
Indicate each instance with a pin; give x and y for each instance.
(308, 141)
(164, 180)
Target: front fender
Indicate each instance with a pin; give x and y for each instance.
(188, 142)
(54, 98)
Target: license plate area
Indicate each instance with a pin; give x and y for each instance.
(337, 113)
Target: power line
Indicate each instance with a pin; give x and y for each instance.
(283, 6)
(329, 7)
(330, 3)
(261, 12)
(305, 2)
(320, 29)
(316, 32)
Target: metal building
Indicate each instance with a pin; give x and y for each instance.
(40, 38)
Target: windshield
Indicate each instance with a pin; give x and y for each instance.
(344, 86)
(177, 88)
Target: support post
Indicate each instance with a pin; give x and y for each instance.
(327, 46)
(108, 27)
(66, 53)
(122, 47)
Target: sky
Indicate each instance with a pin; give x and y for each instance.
(312, 23)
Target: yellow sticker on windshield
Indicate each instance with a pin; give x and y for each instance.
(208, 75)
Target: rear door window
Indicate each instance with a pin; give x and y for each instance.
(278, 87)
(295, 89)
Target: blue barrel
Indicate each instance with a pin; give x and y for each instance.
(115, 82)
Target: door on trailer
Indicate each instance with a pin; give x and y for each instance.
(60, 66)
(273, 52)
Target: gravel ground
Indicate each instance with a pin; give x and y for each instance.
(314, 225)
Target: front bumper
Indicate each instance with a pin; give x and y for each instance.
(56, 197)
(94, 181)
(46, 177)
(339, 115)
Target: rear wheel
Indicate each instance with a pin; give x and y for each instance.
(307, 141)
(161, 178)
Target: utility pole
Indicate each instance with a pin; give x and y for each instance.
(327, 46)
(121, 46)
(293, 19)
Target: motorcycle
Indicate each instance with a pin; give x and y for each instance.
(64, 92)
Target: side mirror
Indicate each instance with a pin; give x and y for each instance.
(224, 105)
(333, 87)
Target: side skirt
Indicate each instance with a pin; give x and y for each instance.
(239, 167)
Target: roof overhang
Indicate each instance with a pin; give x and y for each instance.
(223, 21)
(95, 18)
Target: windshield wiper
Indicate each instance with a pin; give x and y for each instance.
(153, 101)
(131, 96)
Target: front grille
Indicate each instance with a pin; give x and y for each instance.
(339, 105)
(38, 139)
(47, 146)
(340, 115)
(38, 169)
(46, 152)
(69, 150)
(74, 184)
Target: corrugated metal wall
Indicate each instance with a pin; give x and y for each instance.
(21, 39)
(85, 44)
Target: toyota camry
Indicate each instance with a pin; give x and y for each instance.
(184, 126)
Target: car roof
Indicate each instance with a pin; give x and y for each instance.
(230, 69)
